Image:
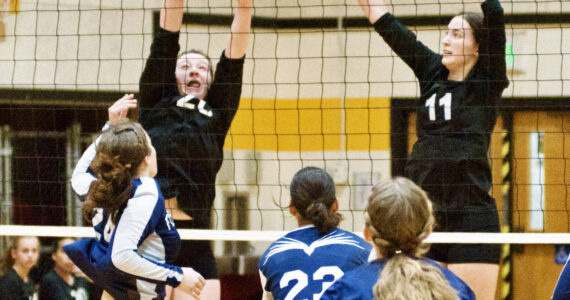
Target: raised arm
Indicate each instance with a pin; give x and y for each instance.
(373, 9)
(494, 22)
(82, 178)
(158, 79)
(241, 26)
(171, 15)
(402, 41)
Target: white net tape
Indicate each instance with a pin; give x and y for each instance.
(251, 235)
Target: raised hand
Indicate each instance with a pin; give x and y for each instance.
(118, 111)
(171, 15)
(373, 9)
(245, 3)
(240, 28)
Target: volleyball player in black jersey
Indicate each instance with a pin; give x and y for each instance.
(187, 115)
(456, 113)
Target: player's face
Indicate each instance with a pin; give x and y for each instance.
(193, 75)
(61, 260)
(152, 165)
(459, 46)
(26, 253)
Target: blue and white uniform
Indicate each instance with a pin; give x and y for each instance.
(130, 259)
(562, 289)
(304, 263)
(358, 283)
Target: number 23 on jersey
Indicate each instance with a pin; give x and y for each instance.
(300, 280)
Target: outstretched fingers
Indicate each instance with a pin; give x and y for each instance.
(119, 110)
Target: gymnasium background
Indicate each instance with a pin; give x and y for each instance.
(320, 88)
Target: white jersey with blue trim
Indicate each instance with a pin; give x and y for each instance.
(304, 263)
(130, 259)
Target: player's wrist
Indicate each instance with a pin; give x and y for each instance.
(106, 126)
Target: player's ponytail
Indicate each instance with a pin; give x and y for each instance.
(399, 217)
(120, 152)
(313, 193)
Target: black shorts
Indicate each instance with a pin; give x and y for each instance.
(459, 192)
(197, 255)
(471, 219)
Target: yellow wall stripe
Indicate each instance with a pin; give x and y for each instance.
(311, 125)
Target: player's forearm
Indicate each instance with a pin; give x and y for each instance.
(81, 179)
(171, 15)
(240, 29)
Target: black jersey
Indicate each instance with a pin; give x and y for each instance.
(454, 118)
(53, 287)
(13, 287)
(187, 133)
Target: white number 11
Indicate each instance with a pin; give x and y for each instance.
(444, 101)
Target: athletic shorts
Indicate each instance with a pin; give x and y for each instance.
(461, 204)
(197, 255)
(471, 219)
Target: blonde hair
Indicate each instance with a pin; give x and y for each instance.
(399, 217)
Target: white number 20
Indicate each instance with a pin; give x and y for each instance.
(444, 101)
(303, 280)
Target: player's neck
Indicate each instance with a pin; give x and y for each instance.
(302, 222)
(459, 74)
(22, 272)
(66, 276)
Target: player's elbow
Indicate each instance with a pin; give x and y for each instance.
(80, 184)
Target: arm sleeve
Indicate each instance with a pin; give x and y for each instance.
(82, 178)
(494, 51)
(158, 79)
(263, 282)
(224, 93)
(405, 44)
(128, 233)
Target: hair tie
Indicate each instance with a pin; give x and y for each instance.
(128, 166)
(398, 251)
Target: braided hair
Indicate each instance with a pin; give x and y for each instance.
(399, 217)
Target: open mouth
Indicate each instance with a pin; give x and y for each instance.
(193, 84)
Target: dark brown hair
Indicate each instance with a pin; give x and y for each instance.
(313, 193)
(399, 217)
(475, 21)
(480, 34)
(120, 151)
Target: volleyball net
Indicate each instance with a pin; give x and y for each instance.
(320, 88)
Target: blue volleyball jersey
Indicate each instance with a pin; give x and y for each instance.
(358, 283)
(303, 263)
(562, 289)
(130, 259)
